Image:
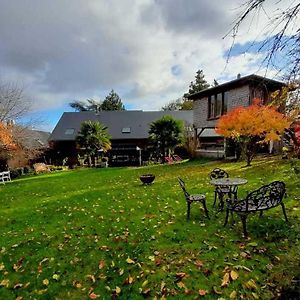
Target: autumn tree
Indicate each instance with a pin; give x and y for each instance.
(251, 126)
(93, 138)
(7, 144)
(165, 134)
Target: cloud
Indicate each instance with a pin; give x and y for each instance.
(147, 50)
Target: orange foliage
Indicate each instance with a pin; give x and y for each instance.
(6, 139)
(255, 120)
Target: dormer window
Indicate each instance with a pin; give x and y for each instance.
(126, 130)
(69, 131)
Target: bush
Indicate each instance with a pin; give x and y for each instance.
(56, 168)
(41, 168)
(16, 173)
(27, 170)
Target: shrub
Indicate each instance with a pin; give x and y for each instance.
(41, 168)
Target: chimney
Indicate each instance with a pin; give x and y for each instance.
(238, 76)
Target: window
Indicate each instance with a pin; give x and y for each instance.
(225, 103)
(218, 101)
(126, 130)
(217, 105)
(69, 131)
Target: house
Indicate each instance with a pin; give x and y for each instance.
(211, 103)
(128, 131)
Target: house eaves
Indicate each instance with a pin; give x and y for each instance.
(250, 79)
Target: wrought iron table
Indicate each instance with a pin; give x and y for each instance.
(231, 183)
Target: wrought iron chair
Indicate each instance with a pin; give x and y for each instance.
(192, 198)
(264, 198)
(221, 191)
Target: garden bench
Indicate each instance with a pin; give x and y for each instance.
(264, 198)
(5, 176)
(192, 198)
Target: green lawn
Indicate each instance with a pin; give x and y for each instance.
(78, 234)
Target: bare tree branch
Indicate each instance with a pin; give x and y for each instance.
(282, 45)
(13, 102)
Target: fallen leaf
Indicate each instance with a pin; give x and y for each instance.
(102, 264)
(56, 277)
(180, 275)
(93, 296)
(202, 292)
(198, 264)
(180, 284)
(234, 275)
(233, 295)
(215, 291)
(129, 280)
(18, 285)
(77, 284)
(146, 292)
(45, 281)
(144, 283)
(41, 292)
(225, 280)
(129, 261)
(250, 284)
(5, 283)
(157, 262)
(91, 277)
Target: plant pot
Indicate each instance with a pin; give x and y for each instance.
(147, 178)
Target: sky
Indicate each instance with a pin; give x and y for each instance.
(148, 51)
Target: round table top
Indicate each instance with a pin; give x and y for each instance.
(229, 181)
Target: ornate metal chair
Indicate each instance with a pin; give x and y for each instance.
(266, 197)
(221, 191)
(192, 198)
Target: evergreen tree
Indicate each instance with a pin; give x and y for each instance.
(112, 102)
(199, 84)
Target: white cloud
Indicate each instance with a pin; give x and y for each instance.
(63, 52)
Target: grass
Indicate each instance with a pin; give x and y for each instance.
(99, 233)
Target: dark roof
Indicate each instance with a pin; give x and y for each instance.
(32, 139)
(254, 79)
(116, 122)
